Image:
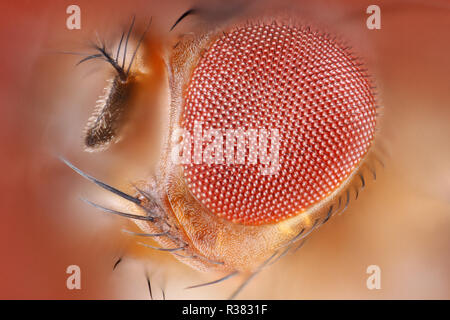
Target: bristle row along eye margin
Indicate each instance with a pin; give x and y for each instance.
(300, 82)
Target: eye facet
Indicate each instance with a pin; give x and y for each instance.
(308, 87)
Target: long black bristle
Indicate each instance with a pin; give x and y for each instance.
(126, 42)
(101, 184)
(328, 214)
(149, 287)
(184, 15)
(92, 56)
(117, 263)
(162, 234)
(161, 249)
(251, 276)
(138, 45)
(118, 48)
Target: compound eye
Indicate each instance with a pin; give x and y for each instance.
(292, 114)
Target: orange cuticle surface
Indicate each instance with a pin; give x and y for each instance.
(306, 86)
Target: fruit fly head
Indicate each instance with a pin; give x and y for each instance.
(267, 134)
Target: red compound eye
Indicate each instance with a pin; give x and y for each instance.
(300, 82)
